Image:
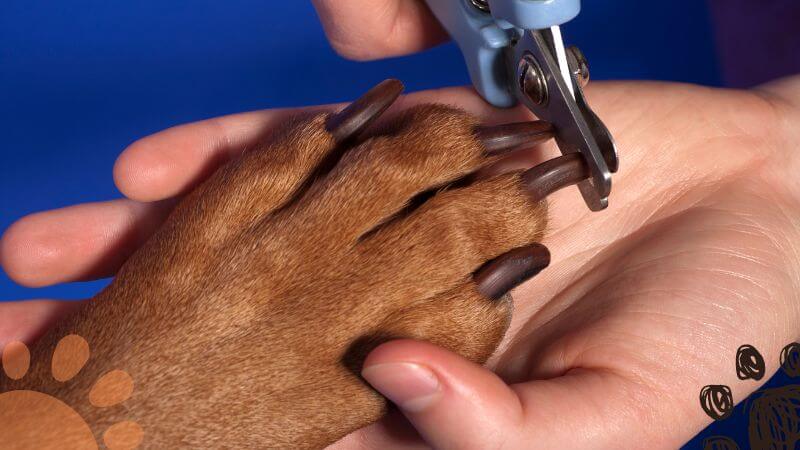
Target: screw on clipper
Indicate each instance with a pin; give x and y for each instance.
(482, 5)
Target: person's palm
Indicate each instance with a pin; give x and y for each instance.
(648, 302)
(644, 304)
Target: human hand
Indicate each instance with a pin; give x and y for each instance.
(646, 302)
(643, 305)
(601, 292)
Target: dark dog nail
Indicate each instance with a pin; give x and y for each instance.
(555, 174)
(356, 117)
(499, 276)
(517, 161)
(501, 139)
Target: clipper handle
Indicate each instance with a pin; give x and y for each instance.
(484, 28)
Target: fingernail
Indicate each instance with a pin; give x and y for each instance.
(411, 387)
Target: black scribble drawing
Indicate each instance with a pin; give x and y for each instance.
(774, 414)
(717, 401)
(749, 363)
(790, 359)
(719, 443)
(775, 419)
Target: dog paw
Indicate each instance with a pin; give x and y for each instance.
(245, 319)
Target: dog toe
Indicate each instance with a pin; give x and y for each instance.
(426, 148)
(454, 233)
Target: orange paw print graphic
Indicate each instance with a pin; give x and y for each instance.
(34, 420)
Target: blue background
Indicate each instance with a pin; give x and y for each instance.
(80, 80)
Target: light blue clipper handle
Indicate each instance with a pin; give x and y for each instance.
(482, 36)
(535, 14)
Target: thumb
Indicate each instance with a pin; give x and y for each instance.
(456, 404)
(452, 402)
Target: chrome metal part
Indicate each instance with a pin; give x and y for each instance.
(531, 79)
(482, 5)
(577, 127)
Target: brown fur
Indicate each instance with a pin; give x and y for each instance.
(243, 322)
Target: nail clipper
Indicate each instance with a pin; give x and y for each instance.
(515, 54)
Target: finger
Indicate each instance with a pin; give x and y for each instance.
(173, 161)
(26, 320)
(371, 29)
(78, 242)
(454, 403)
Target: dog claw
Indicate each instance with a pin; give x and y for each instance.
(504, 273)
(499, 139)
(499, 276)
(555, 174)
(356, 117)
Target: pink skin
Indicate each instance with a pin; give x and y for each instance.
(643, 305)
(372, 29)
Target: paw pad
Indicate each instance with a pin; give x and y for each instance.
(30, 419)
